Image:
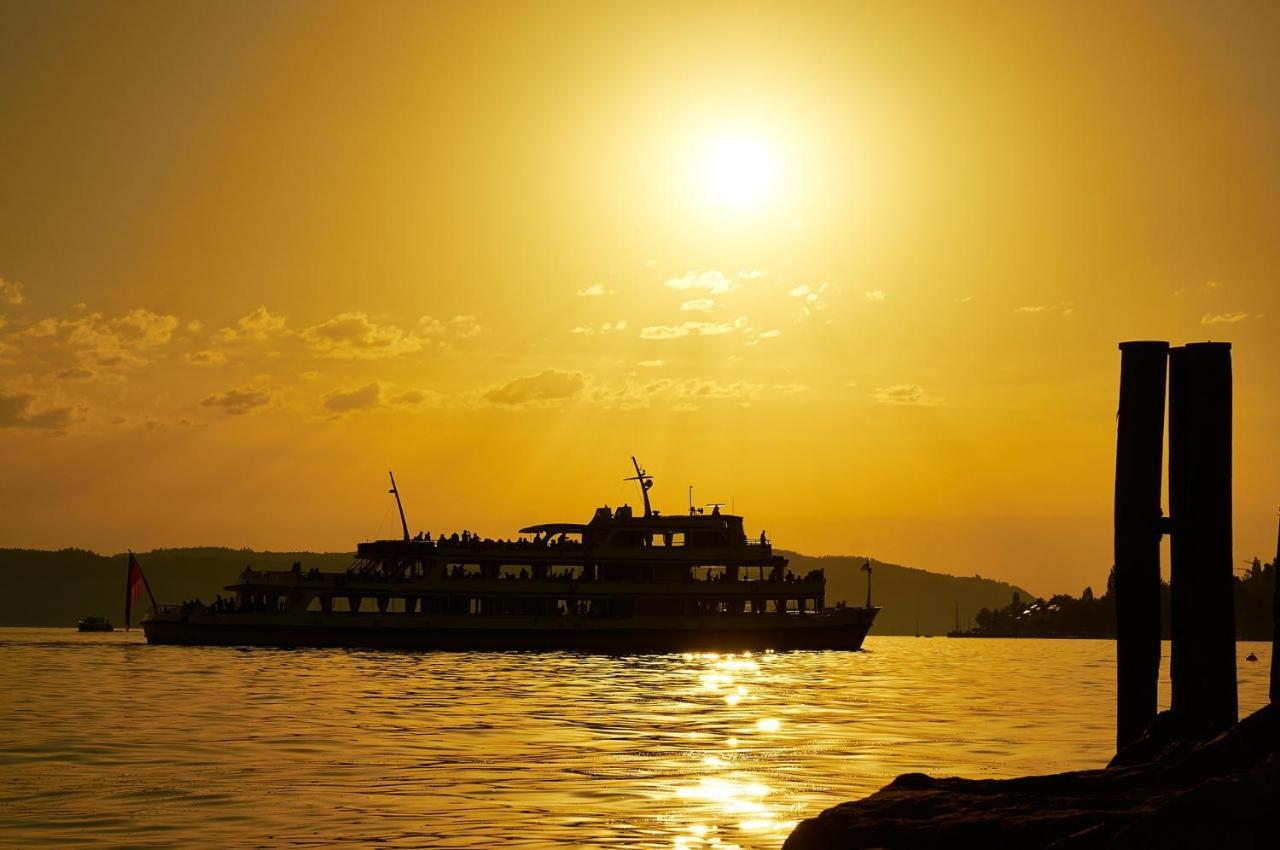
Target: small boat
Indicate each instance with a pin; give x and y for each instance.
(95, 624)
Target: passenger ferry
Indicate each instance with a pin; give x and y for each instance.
(623, 582)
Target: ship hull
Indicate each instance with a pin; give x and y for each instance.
(843, 630)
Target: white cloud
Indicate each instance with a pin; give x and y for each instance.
(1223, 318)
(875, 295)
(750, 275)
(712, 281)
(700, 305)
(651, 364)
(607, 327)
(1062, 308)
(595, 290)
(810, 298)
(694, 329)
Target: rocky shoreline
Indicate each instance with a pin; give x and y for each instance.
(1221, 793)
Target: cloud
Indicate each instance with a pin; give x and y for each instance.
(875, 295)
(700, 305)
(650, 364)
(1223, 318)
(343, 401)
(411, 398)
(713, 282)
(546, 387)
(769, 334)
(98, 341)
(22, 410)
(208, 357)
(693, 329)
(902, 394)
(634, 394)
(258, 325)
(465, 326)
(74, 373)
(11, 292)
(595, 290)
(238, 401)
(352, 336)
(750, 275)
(607, 327)
(1062, 308)
(810, 298)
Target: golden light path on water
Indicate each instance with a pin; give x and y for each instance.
(107, 742)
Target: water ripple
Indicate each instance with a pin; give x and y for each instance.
(107, 742)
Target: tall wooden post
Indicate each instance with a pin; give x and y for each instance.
(1139, 453)
(1203, 655)
(1275, 620)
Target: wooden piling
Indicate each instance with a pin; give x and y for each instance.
(1203, 652)
(1139, 453)
(1275, 620)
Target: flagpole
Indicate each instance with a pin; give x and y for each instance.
(128, 590)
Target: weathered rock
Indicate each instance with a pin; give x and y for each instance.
(1222, 793)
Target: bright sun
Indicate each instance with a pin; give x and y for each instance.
(738, 171)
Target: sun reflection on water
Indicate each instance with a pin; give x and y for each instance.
(730, 797)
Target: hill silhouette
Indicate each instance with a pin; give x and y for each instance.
(906, 595)
(56, 588)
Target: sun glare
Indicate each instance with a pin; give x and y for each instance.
(738, 171)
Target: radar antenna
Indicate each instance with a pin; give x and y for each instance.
(393, 491)
(646, 481)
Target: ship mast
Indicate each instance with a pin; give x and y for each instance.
(393, 491)
(646, 481)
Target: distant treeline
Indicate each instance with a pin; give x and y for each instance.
(45, 588)
(1095, 616)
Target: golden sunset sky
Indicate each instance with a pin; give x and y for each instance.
(858, 269)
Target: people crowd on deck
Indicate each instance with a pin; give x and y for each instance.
(228, 605)
(467, 540)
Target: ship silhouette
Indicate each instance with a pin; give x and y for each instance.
(621, 582)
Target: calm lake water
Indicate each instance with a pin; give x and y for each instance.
(108, 742)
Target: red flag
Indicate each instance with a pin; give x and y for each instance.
(134, 586)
